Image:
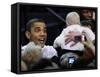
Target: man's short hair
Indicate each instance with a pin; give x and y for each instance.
(31, 22)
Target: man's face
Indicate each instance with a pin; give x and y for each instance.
(38, 33)
(88, 14)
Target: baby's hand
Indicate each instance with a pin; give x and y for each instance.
(71, 37)
(32, 53)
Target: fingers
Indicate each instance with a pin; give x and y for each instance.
(73, 44)
(67, 40)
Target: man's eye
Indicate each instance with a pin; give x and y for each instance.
(37, 30)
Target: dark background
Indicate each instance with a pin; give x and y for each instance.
(55, 21)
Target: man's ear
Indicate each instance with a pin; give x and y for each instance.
(27, 33)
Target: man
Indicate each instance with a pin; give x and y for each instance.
(36, 49)
(88, 14)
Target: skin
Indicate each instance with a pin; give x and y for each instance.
(89, 52)
(87, 14)
(89, 44)
(38, 33)
(71, 37)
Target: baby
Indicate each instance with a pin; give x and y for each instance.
(74, 34)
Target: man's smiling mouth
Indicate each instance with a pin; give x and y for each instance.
(42, 41)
